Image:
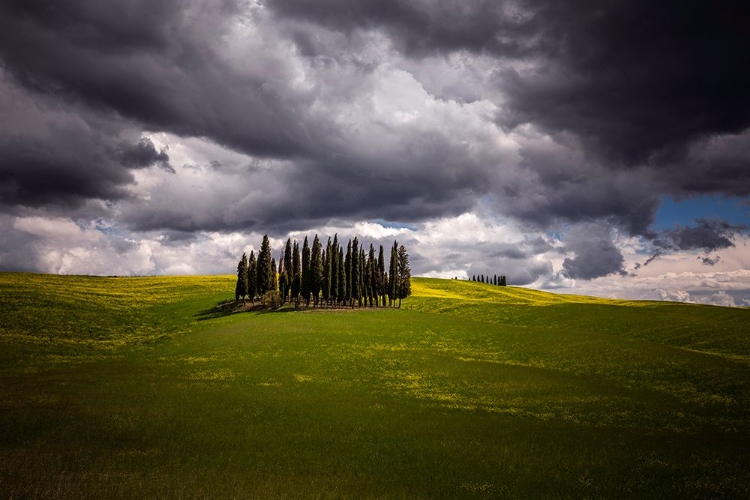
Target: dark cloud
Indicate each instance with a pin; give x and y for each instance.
(629, 78)
(708, 235)
(635, 78)
(525, 250)
(55, 153)
(423, 28)
(558, 183)
(709, 261)
(715, 165)
(595, 253)
(143, 154)
(154, 62)
(16, 248)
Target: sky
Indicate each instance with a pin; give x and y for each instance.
(594, 147)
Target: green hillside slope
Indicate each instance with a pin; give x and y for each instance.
(140, 387)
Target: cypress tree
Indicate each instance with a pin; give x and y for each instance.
(283, 279)
(316, 267)
(348, 267)
(327, 273)
(393, 274)
(362, 276)
(356, 274)
(306, 273)
(279, 272)
(264, 267)
(372, 274)
(296, 273)
(335, 269)
(240, 289)
(380, 278)
(341, 292)
(404, 275)
(288, 267)
(252, 277)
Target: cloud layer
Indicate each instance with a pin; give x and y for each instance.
(561, 126)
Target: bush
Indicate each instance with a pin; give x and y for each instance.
(272, 299)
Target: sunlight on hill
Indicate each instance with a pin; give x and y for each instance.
(510, 295)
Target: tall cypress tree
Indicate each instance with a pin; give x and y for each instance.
(404, 275)
(348, 267)
(283, 279)
(372, 273)
(240, 289)
(316, 267)
(264, 267)
(327, 274)
(393, 274)
(296, 273)
(362, 276)
(341, 292)
(288, 269)
(355, 270)
(252, 277)
(381, 277)
(366, 278)
(306, 288)
(335, 269)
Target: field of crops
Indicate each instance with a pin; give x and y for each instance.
(141, 388)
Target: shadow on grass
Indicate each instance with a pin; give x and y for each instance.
(227, 309)
(230, 308)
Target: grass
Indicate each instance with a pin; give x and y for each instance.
(132, 388)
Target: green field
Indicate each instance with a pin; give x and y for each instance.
(141, 388)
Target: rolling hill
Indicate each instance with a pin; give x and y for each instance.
(142, 387)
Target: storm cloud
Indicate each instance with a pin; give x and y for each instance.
(707, 235)
(569, 123)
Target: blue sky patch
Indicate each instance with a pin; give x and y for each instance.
(685, 212)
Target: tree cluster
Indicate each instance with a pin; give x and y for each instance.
(495, 280)
(330, 276)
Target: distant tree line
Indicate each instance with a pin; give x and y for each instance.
(495, 280)
(330, 276)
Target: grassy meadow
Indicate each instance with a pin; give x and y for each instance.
(142, 388)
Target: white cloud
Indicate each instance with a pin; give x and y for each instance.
(470, 243)
(720, 298)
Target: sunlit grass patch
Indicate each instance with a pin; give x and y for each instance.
(101, 312)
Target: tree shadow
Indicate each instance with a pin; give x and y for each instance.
(227, 309)
(230, 308)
